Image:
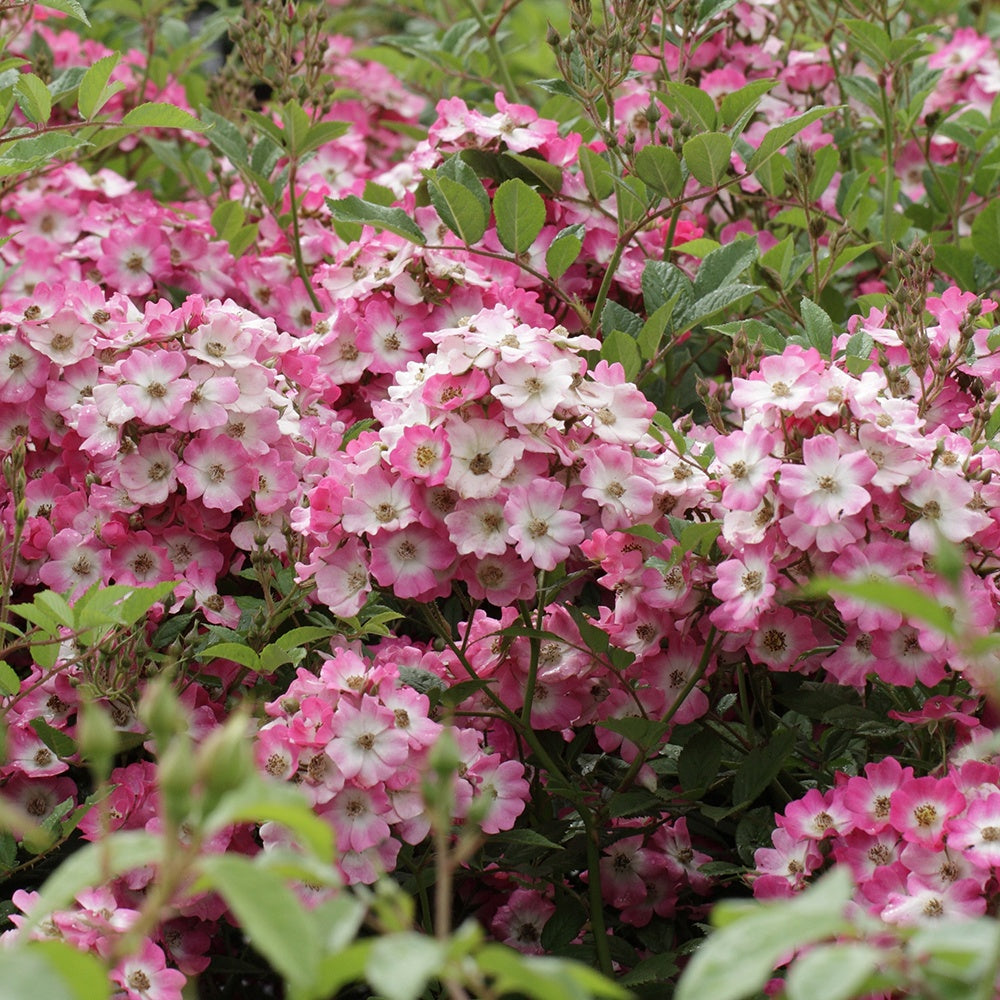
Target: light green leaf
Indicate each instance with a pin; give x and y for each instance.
(738, 959)
(155, 114)
(33, 98)
(400, 965)
(70, 7)
(707, 157)
(353, 209)
(520, 215)
(238, 652)
(564, 250)
(10, 683)
(95, 91)
(321, 133)
(227, 219)
(268, 911)
(833, 971)
(90, 865)
(660, 168)
(17, 155)
(261, 800)
(736, 105)
(53, 970)
(297, 637)
(55, 739)
(910, 601)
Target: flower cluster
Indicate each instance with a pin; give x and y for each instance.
(920, 849)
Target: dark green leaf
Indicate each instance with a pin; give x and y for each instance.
(782, 134)
(520, 214)
(353, 209)
(663, 282)
(698, 763)
(533, 169)
(761, 765)
(819, 327)
(458, 208)
(55, 739)
(986, 234)
(724, 265)
(690, 103)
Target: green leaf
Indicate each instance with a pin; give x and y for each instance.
(353, 209)
(533, 168)
(643, 733)
(986, 234)
(691, 103)
(735, 105)
(761, 765)
(564, 250)
(782, 134)
(715, 302)
(663, 282)
(698, 763)
(619, 347)
(870, 39)
(459, 209)
(95, 90)
(227, 219)
(738, 959)
(90, 865)
(156, 114)
(526, 838)
(707, 157)
(910, 601)
(321, 133)
(260, 800)
(724, 265)
(833, 971)
(401, 965)
(55, 739)
(616, 317)
(53, 970)
(597, 174)
(10, 683)
(17, 155)
(297, 637)
(819, 327)
(650, 336)
(520, 214)
(268, 911)
(226, 138)
(660, 169)
(70, 7)
(238, 652)
(33, 98)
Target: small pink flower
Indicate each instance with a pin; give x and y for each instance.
(219, 471)
(543, 532)
(921, 807)
(145, 976)
(366, 746)
(423, 453)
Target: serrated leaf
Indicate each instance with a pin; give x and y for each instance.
(650, 336)
(520, 214)
(227, 219)
(70, 7)
(644, 733)
(699, 761)
(780, 135)
(55, 739)
(707, 156)
(597, 174)
(736, 104)
(818, 326)
(458, 208)
(724, 265)
(10, 683)
(353, 209)
(235, 651)
(33, 98)
(691, 103)
(564, 250)
(321, 133)
(533, 168)
(619, 347)
(17, 155)
(761, 766)
(157, 114)
(660, 169)
(715, 302)
(226, 138)
(663, 282)
(95, 90)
